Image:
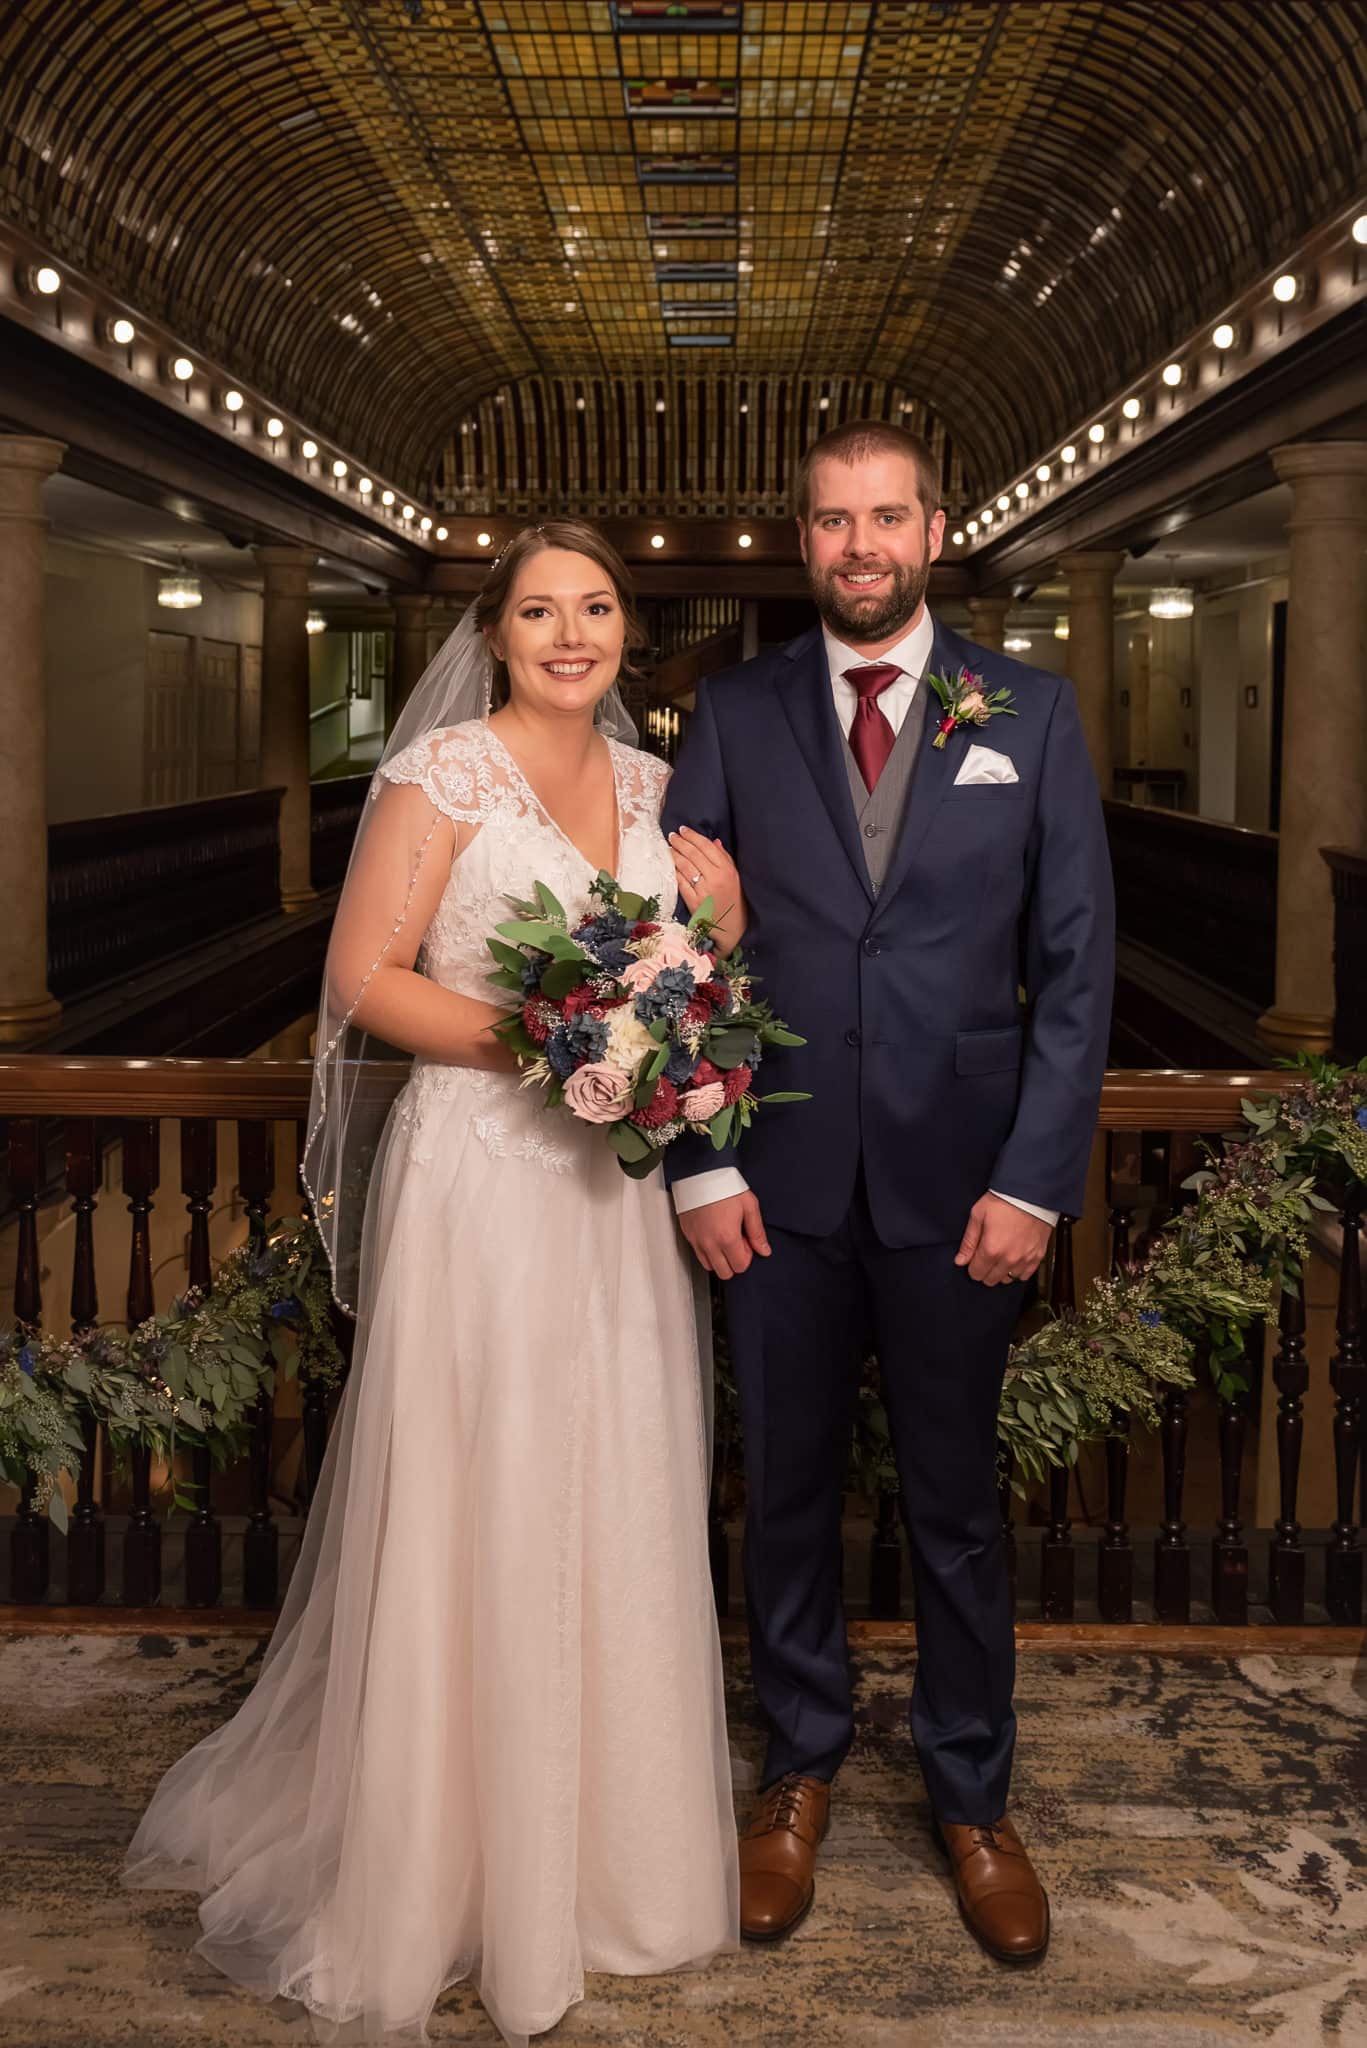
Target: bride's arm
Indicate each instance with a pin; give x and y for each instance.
(401, 867)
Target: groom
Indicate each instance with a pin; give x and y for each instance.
(938, 922)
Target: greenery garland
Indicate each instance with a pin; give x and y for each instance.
(191, 1376)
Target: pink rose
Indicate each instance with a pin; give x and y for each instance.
(700, 1105)
(599, 1094)
(674, 948)
(641, 973)
(972, 704)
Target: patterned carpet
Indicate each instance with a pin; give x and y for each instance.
(1201, 1823)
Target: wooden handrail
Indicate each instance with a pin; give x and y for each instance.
(48, 1084)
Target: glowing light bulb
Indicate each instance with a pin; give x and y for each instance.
(233, 401)
(1172, 374)
(657, 540)
(123, 331)
(1223, 337)
(274, 428)
(339, 467)
(365, 486)
(386, 497)
(1132, 408)
(1286, 288)
(744, 540)
(425, 523)
(957, 539)
(47, 280)
(1096, 432)
(408, 511)
(1069, 454)
(308, 449)
(483, 540)
(1043, 473)
(182, 369)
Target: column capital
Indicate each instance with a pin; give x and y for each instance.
(31, 451)
(1298, 461)
(26, 463)
(1096, 564)
(286, 570)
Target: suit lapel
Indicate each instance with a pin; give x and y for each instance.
(935, 768)
(805, 693)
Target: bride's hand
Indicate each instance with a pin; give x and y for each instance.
(704, 868)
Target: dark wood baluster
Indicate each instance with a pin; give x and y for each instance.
(204, 1536)
(1115, 1557)
(30, 1546)
(885, 1559)
(142, 1537)
(1291, 1375)
(261, 1539)
(85, 1548)
(1229, 1549)
(1058, 1558)
(1006, 1467)
(1348, 1378)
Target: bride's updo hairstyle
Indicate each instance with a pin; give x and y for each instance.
(577, 538)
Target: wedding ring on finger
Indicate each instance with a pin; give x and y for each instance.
(695, 878)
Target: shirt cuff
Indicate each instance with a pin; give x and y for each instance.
(701, 1188)
(1049, 1216)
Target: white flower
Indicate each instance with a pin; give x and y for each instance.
(629, 1042)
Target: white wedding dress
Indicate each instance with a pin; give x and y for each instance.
(487, 1738)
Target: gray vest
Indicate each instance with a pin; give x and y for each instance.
(880, 811)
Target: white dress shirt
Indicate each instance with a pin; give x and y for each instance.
(911, 654)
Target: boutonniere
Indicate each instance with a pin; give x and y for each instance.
(966, 702)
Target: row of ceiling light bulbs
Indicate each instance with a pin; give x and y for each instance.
(46, 279)
(1286, 289)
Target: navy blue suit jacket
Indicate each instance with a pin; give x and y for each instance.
(921, 1056)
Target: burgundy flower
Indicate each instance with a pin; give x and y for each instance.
(735, 1084)
(662, 1107)
(705, 1072)
(644, 929)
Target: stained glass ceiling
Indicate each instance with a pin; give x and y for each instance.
(380, 211)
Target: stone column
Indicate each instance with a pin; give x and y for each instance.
(987, 621)
(27, 1008)
(1091, 651)
(285, 710)
(1324, 728)
(410, 646)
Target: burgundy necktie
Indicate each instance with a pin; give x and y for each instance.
(872, 739)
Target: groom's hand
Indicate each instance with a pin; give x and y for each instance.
(1002, 1242)
(726, 1235)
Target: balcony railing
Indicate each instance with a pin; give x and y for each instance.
(252, 1111)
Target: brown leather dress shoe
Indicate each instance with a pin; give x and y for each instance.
(1000, 1897)
(778, 1856)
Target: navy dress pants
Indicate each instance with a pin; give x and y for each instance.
(801, 1322)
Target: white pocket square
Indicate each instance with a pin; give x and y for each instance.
(980, 764)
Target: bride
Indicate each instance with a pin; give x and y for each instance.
(487, 1738)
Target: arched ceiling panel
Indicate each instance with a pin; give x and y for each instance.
(381, 212)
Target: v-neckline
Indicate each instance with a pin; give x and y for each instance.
(560, 832)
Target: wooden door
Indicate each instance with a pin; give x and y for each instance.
(249, 721)
(169, 729)
(219, 663)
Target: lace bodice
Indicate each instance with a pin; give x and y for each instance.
(467, 774)
(470, 777)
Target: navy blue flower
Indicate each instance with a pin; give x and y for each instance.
(560, 1053)
(26, 1360)
(669, 995)
(1362, 1118)
(1150, 1318)
(680, 1065)
(587, 1038)
(290, 1306)
(604, 940)
(533, 969)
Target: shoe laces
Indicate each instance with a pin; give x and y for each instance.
(787, 1800)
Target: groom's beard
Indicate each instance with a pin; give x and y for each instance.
(870, 618)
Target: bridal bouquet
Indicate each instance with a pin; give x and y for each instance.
(632, 1021)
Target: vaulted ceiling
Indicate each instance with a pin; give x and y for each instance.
(382, 213)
